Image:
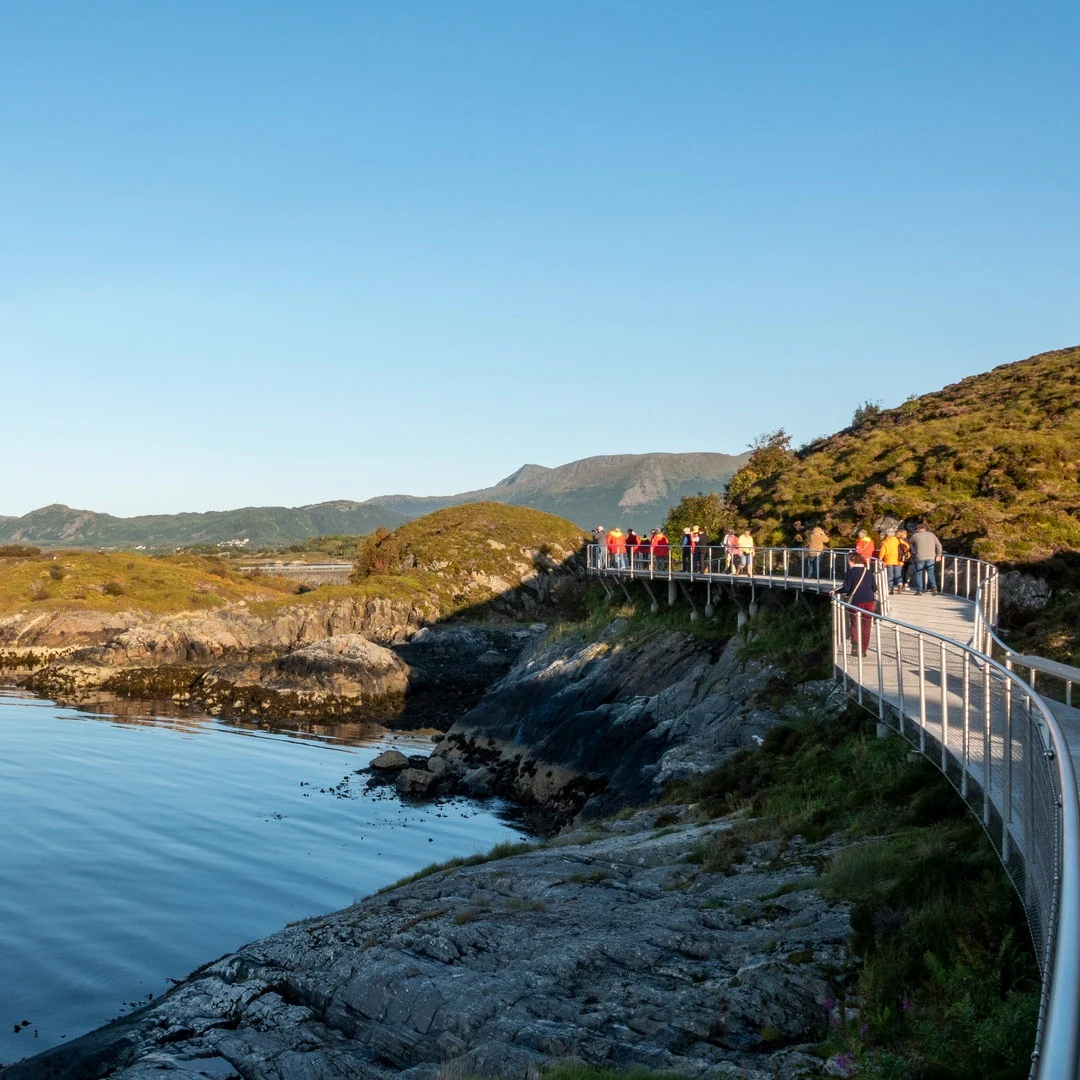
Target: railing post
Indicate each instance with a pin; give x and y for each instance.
(922, 696)
(987, 745)
(856, 625)
(881, 729)
(900, 677)
(966, 717)
(1006, 762)
(944, 710)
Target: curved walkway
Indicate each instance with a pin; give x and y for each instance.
(935, 671)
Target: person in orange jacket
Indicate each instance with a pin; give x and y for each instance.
(864, 545)
(618, 547)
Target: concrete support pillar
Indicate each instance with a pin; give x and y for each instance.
(882, 730)
(742, 619)
(709, 611)
(693, 616)
(654, 607)
(672, 593)
(753, 608)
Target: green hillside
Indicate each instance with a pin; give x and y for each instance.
(991, 462)
(262, 526)
(460, 558)
(482, 547)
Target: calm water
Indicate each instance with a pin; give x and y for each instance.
(134, 850)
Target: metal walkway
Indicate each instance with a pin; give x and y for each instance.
(933, 669)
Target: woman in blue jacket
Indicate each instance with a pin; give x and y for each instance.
(860, 588)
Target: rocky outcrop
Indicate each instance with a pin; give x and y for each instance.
(1023, 594)
(344, 675)
(64, 629)
(613, 948)
(134, 639)
(587, 728)
(426, 682)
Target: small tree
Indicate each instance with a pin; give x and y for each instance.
(864, 412)
(706, 510)
(377, 554)
(770, 455)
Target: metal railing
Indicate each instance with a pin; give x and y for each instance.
(790, 568)
(962, 704)
(1061, 680)
(1002, 748)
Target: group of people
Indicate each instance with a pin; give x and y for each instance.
(908, 560)
(626, 550)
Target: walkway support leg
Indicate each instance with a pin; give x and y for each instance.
(690, 600)
(654, 607)
(672, 593)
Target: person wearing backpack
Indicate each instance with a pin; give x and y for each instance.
(889, 554)
(905, 559)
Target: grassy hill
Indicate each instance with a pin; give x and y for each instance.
(87, 581)
(454, 559)
(478, 551)
(992, 463)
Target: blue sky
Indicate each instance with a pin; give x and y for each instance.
(275, 253)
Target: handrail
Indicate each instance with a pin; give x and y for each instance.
(1043, 864)
(988, 598)
(989, 731)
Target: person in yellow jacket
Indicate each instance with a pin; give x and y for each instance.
(889, 554)
(746, 553)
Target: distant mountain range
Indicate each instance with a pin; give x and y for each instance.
(628, 489)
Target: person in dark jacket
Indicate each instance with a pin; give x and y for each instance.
(860, 589)
(926, 553)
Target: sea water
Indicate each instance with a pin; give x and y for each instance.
(135, 848)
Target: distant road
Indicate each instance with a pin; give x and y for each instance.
(296, 567)
(306, 573)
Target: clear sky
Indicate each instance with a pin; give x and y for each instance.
(275, 253)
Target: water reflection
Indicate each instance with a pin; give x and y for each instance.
(163, 712)
(139, 846)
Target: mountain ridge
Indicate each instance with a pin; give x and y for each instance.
(606, 488)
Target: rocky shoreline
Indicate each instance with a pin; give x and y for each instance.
(609, 946)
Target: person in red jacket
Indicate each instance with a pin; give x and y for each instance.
(660, 549)
(865, 546)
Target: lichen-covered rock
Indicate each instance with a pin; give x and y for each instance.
(1023, 593)
(389, 761)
